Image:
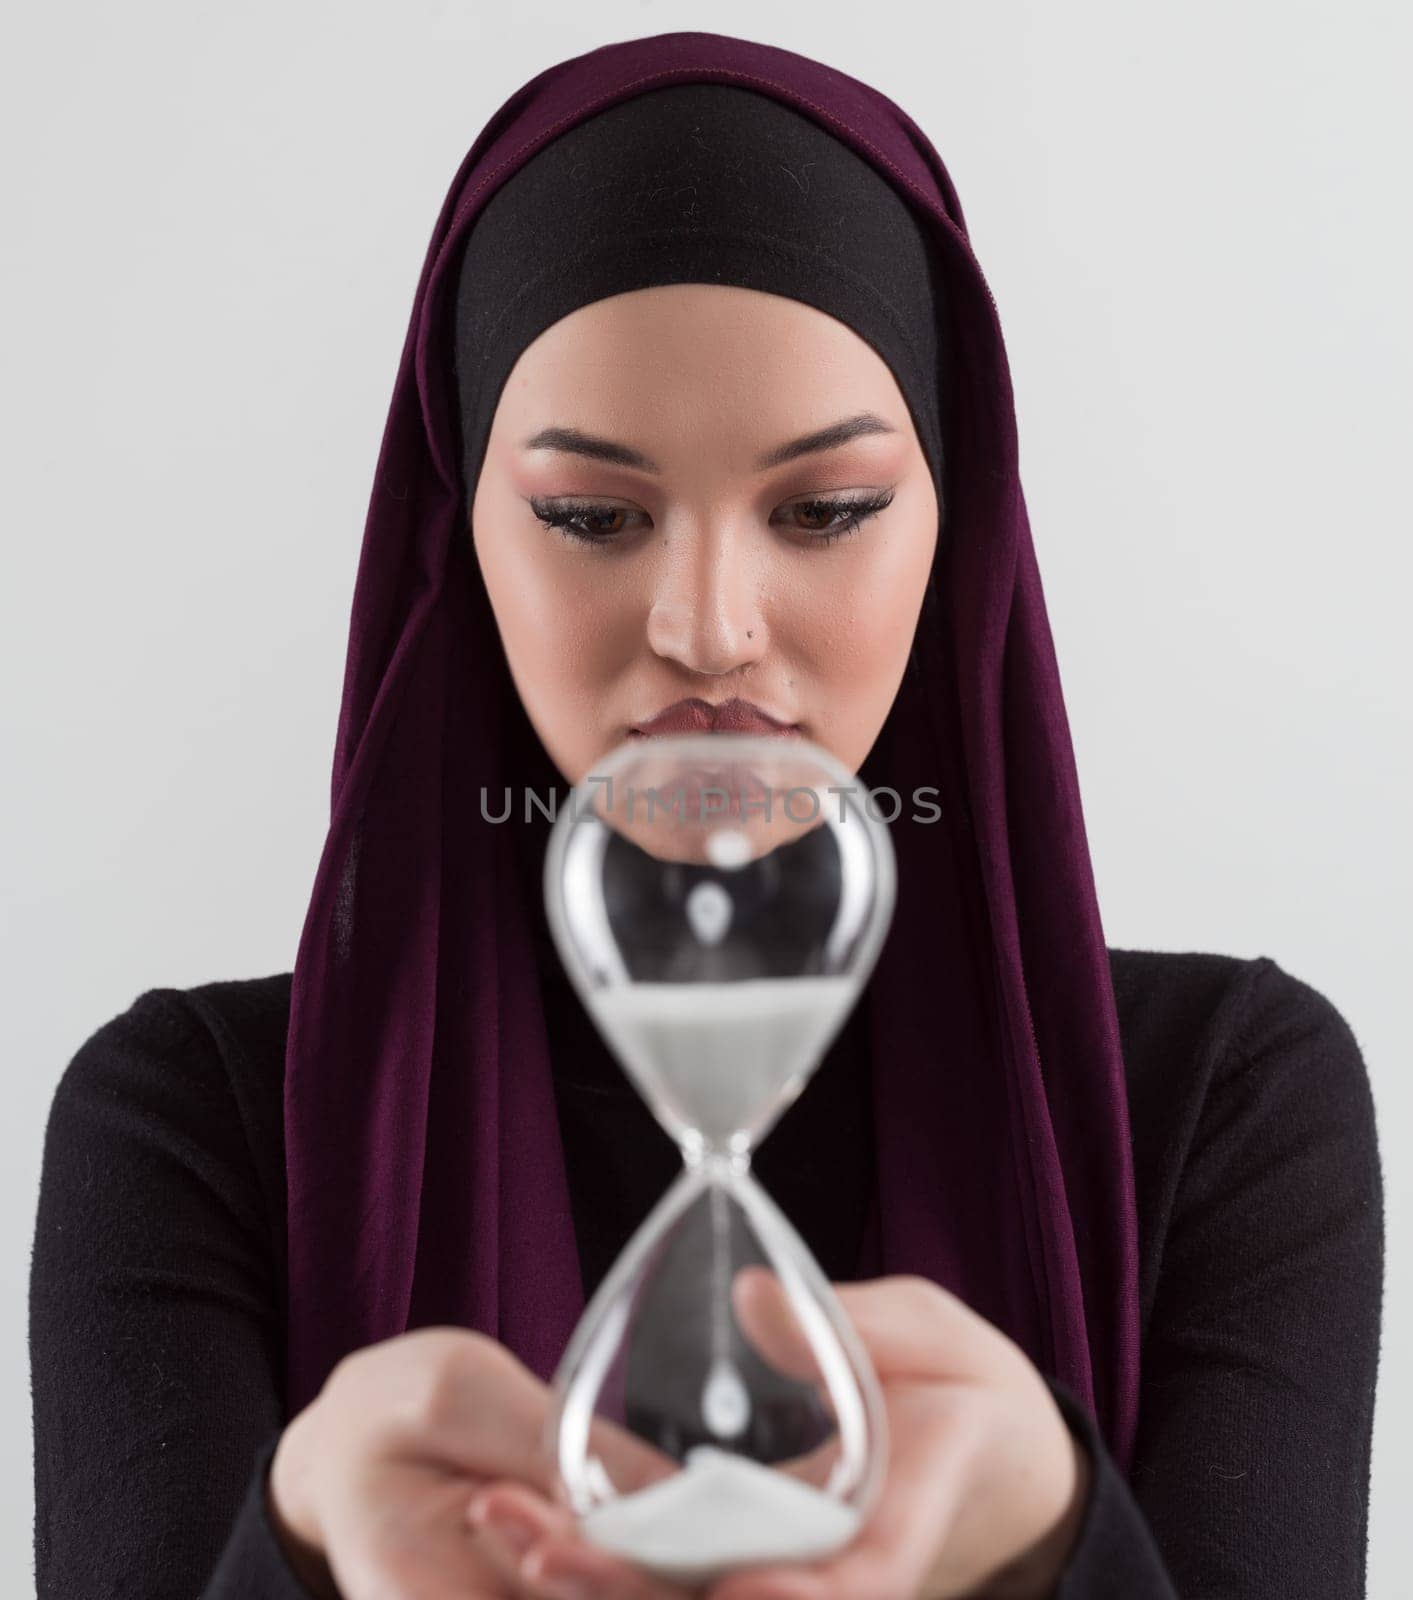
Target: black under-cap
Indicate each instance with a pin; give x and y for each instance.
(697, 183)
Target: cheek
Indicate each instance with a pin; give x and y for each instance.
(894, 597)
(853, 634)
(561, 626)
(856, 626)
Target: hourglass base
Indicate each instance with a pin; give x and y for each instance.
(721, 1511)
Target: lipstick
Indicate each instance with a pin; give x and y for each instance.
(695, 715)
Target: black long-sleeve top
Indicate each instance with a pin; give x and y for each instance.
(157, 1345)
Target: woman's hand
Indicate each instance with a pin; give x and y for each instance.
(986, 1486)
(371, 1484)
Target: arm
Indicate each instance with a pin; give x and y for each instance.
(1114, 1556)
(1258, 1369)
(154, 1332)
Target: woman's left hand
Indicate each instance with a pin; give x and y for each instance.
(985, 1487)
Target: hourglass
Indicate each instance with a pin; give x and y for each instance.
(719, 901)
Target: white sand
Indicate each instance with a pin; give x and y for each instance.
(717, 1056)
(721, 1511)
(709, 910)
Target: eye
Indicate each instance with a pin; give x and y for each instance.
(828, 518)
(577, 519)
(832, 519)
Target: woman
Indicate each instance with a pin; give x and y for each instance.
(704, 399)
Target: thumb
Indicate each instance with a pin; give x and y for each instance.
(768, 1320)
(914, 1328)
(911, 1327)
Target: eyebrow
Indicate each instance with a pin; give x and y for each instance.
(573, 441)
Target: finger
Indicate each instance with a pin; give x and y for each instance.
(911, 1326)
(518, 1520)
(509, 1518)
(448, 1411)
(504, 1501)
(630, 1462)
(464, 1401)
(767, 1318)
(604, 1575)
(814, 1466)
(914, 1328)
(501, 1552)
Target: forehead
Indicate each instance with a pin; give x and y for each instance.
(688, 352)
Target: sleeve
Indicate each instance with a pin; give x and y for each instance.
(1114, 1555)
(153, 1326)
(1251, 1472)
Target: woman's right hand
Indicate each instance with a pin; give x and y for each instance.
(369, 1485)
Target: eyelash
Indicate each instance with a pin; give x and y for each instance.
(566, 516)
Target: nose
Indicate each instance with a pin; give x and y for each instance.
(706, 612)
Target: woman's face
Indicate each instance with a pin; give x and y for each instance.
(689, 553)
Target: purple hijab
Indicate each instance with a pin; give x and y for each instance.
(426, 1177)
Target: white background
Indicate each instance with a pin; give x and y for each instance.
(1194, 219)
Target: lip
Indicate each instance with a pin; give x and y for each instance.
(695, 715)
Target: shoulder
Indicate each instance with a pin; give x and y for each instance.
(182, 1037)
(185, 1083)
(1247, 1087)
(1209, 1018)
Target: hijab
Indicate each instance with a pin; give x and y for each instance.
(697, 183)
(425, 1171)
